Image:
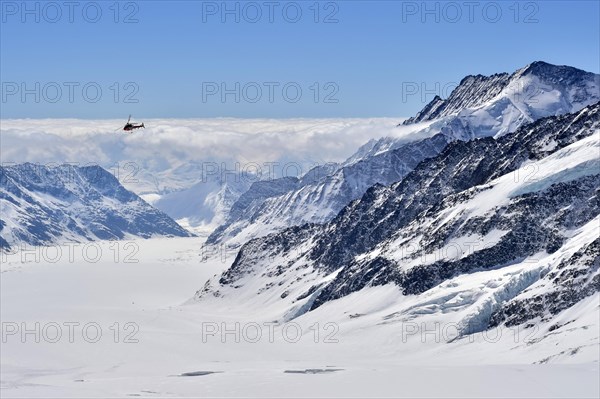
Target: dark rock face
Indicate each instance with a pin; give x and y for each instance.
(579, 199)
(526, 237)
(462, 165)
(44, 204)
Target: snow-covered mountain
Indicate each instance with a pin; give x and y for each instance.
(535, 91)
(205, 204)
(41, 205)
(489, 232)
(480, 106)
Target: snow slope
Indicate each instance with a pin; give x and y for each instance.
(365, 356)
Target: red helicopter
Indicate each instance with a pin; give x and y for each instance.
(131, 126)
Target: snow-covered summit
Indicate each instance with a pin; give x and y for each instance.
(537, 90)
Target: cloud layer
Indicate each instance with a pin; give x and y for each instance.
(166, 148)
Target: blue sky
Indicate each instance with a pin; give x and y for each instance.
(351, 59)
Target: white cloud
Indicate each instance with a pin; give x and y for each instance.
(167, 144)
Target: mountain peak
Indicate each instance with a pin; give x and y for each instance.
(540, 64)
(474, 91)
(552, 72)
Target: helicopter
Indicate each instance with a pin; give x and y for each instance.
(131, 126)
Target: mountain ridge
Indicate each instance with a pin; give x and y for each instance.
(44, 205)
